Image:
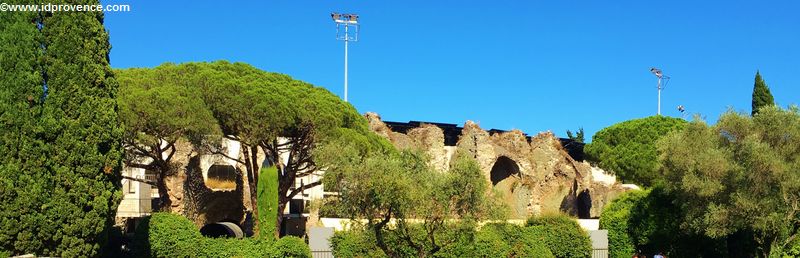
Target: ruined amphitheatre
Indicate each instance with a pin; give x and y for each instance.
(534, 174)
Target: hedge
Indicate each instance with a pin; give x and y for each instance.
(492, 240)
(615, 218)
(171, 235)
(561, 234)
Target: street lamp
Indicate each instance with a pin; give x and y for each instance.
(344, 24)
(658, 73)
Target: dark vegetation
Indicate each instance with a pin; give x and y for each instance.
(170, 235)
(59, 134)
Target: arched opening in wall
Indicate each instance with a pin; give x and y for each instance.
(222, 229)
(221, 177)
(503, 169)
(506, 179)
(584, 205)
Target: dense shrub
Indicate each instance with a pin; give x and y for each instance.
(615, 219)
(492, 240)
(562, 235)
(290, 247)
(171, 235)
(649, 221)
(355, 243)
(520, 242)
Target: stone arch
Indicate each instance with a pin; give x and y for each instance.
(507, 180)
(503, 169)
(221, 177)
(222, 229)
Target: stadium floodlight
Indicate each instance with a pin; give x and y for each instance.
(658, 73)
(347, 28)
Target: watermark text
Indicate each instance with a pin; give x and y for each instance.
(47, 7)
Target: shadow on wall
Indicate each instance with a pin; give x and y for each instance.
(205, 206)
(577, 204)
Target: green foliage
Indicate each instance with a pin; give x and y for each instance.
(520, 242)
(267, 202)
(198, 101)
(492, 240)
(171, 235)
(379, 184)
(649, 221)
(762, 97)
(355, 243)
(628, 149)
(290, 246)
(738, 178)
(615, 219)
(158, 109)
(59, 147)
(561, 234)
(578, 136)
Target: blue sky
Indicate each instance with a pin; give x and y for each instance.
(529, 65)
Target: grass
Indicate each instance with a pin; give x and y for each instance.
(220, 184)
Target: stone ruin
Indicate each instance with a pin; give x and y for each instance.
(534, 174)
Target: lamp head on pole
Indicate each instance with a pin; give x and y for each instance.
(347, 18)
(657, 72)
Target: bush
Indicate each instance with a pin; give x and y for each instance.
(354, 243)
(492, 240)
(649, 221)
(166, 235)
(615, 219)
(520, 243)
(291, 247)
(171, 235)
(562, 235)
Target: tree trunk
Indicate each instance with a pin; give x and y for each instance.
(249, 163)
(282, 201)
(164, 202)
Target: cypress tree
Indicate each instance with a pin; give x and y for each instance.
(60, 137)
(762, 97)
(24, 181)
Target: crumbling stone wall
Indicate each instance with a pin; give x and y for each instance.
(546, 177)
(191, 197)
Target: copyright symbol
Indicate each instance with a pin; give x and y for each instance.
(4, 7)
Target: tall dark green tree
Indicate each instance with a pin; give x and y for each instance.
(762, 97)
(60, 136)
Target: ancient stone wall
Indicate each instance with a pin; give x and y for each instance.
(534, 174)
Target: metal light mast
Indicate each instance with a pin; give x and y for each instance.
(657, 72)
(345, 23)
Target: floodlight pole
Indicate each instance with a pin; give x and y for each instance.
(346, 40)
(346, 21)
(659, 95)
(658, 73)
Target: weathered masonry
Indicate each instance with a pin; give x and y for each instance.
(535, 174)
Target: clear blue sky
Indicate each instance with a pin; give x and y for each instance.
(529, 65)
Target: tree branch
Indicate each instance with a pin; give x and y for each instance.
(153, 183)
(303, 188)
